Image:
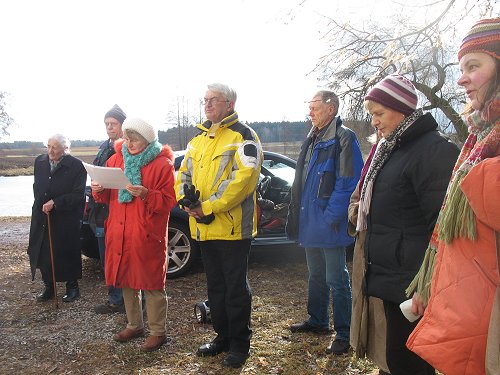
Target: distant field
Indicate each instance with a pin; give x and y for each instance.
(19, 162)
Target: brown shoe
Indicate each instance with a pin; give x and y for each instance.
(128, 334)
(153, 342)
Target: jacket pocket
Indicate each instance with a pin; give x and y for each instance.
(486, 275)
(155, 237)
(326, 184)
(399, 253)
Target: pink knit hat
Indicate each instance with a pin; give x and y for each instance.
(395, 92)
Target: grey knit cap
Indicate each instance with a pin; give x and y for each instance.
(117, 113)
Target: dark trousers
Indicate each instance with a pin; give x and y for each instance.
(229, 295)
(48, 280)
(45, 266)
(400, 360)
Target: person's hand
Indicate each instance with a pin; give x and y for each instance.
(137, 190)
(48, 206)
(96, 188)
(417, 305)
(195, 212)
(198, 214)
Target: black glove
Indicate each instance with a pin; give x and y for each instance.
(191, 197)
(192, 200)
(207, 219)
(191, 193)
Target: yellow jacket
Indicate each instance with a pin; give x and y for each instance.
(224, 165)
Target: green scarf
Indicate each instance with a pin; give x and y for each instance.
(133, 165)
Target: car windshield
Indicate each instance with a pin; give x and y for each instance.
(280, 170)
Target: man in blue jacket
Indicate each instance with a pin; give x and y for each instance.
(328, 170)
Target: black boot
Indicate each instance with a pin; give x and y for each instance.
(72, 291)
(47, 293)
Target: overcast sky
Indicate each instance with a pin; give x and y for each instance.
(65, 62)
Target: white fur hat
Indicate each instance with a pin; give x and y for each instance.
(142, 127)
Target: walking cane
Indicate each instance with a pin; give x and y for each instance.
(52, 260)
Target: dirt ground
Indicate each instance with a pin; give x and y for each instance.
(35, 338)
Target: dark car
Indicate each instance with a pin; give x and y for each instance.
(276, 178)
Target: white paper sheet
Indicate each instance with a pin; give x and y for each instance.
(109, 178)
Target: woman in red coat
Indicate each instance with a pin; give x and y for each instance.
(459, 332)
(136, 250)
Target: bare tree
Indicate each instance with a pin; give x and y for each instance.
(182, 117)
(360, 56)
(5, 119)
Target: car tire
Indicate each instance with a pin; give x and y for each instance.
(202, 312)
(182, 250)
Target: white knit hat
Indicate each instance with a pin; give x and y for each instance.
(140, 126)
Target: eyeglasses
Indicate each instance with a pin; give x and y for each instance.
(213, 101)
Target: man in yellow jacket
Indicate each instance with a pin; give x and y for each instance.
(216, 186)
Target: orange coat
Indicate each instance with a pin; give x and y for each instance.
(135, 232)
(453, 333)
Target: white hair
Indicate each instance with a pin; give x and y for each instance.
(63, 141)
(225, 90)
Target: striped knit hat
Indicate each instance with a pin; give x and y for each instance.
(483, 37)
(395, 92)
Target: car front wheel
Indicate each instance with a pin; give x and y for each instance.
(182, 250)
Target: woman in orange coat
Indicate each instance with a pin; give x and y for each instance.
(136, 251)
(460, 330)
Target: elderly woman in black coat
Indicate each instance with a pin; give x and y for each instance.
(59, 196)
(399, 204)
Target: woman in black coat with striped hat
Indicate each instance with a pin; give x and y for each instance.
(399, 203)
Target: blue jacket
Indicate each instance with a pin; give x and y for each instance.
(320, 199)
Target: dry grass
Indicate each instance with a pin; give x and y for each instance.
(19, 162)
(37, 339)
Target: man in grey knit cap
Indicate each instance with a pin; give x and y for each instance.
(113, 119)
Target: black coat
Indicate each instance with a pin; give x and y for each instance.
(98, 212)
(66, 188)
(407, 196)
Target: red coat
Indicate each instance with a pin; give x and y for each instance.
(136, 244)
(453, 332)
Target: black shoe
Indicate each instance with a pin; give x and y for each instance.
(212, 348)
(306, 327)
(71, 295)
(338, 347)
(235, 359)
(109, 308)
(47, 293)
